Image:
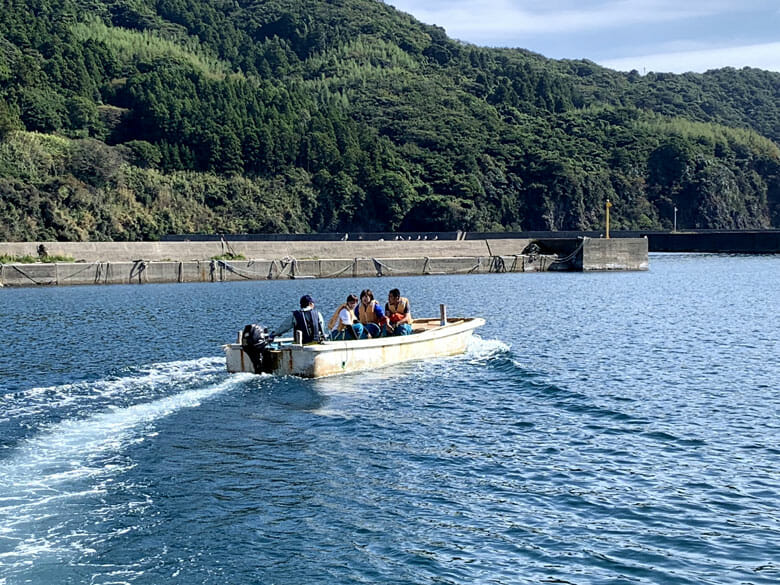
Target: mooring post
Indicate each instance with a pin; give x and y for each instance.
(443, 314)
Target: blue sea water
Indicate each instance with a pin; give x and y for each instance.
(601, 428)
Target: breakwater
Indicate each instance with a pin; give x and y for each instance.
(160, 262)
(732, 242)
(765, 241)
(745, 241)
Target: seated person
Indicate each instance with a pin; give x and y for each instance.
(399, 314)
(343, 324)
(306, 320)
(370, 315)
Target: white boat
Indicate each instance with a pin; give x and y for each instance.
(430, 338)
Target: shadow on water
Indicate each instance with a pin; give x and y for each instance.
(286, 391)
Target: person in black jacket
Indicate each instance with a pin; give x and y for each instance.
(307, 320)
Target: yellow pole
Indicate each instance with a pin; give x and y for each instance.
(608, 206)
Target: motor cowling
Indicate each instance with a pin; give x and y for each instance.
(254, 340)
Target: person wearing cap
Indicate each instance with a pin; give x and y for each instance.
(307, 320)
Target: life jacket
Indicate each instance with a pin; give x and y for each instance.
(399, 308)
(367, 315)
(307, 323)
(335, 319)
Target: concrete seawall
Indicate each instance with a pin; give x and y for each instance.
(159, 262)
(302, 250)
(744, 241)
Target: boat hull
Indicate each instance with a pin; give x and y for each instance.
(339, 357)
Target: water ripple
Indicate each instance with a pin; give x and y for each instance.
(606, 436)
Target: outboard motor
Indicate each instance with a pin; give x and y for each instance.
(254, 339)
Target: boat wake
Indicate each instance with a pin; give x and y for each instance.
(78, 458)
(479, 349)
(37, 407)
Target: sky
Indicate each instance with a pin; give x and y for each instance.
(647, 35)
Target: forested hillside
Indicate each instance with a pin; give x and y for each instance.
(131, 119)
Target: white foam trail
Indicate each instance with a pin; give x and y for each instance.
(149, 379)
(482, 349)
(148, 375)
(59, 450)
(69, 460)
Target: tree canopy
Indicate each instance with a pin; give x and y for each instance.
(132, 119)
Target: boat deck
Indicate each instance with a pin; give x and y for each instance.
(423, 325)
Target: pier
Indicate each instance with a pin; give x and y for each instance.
(207, 260)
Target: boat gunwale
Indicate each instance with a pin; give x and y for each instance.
(454, 326)
(457, 326)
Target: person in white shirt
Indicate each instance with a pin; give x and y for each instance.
(344, 324)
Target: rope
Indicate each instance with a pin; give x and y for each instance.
(378, 266)
(288, 266)
(230, 268)
(497, 264)
(570, 256)
(428, 271)
(225, 245)
(99, 272)
(285, 263)
(139, 269)
(86, 267)
(342, 271)
(242, 273)
(30, 278)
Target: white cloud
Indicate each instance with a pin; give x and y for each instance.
(672, 35)
(763, 56)
(481, 20)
